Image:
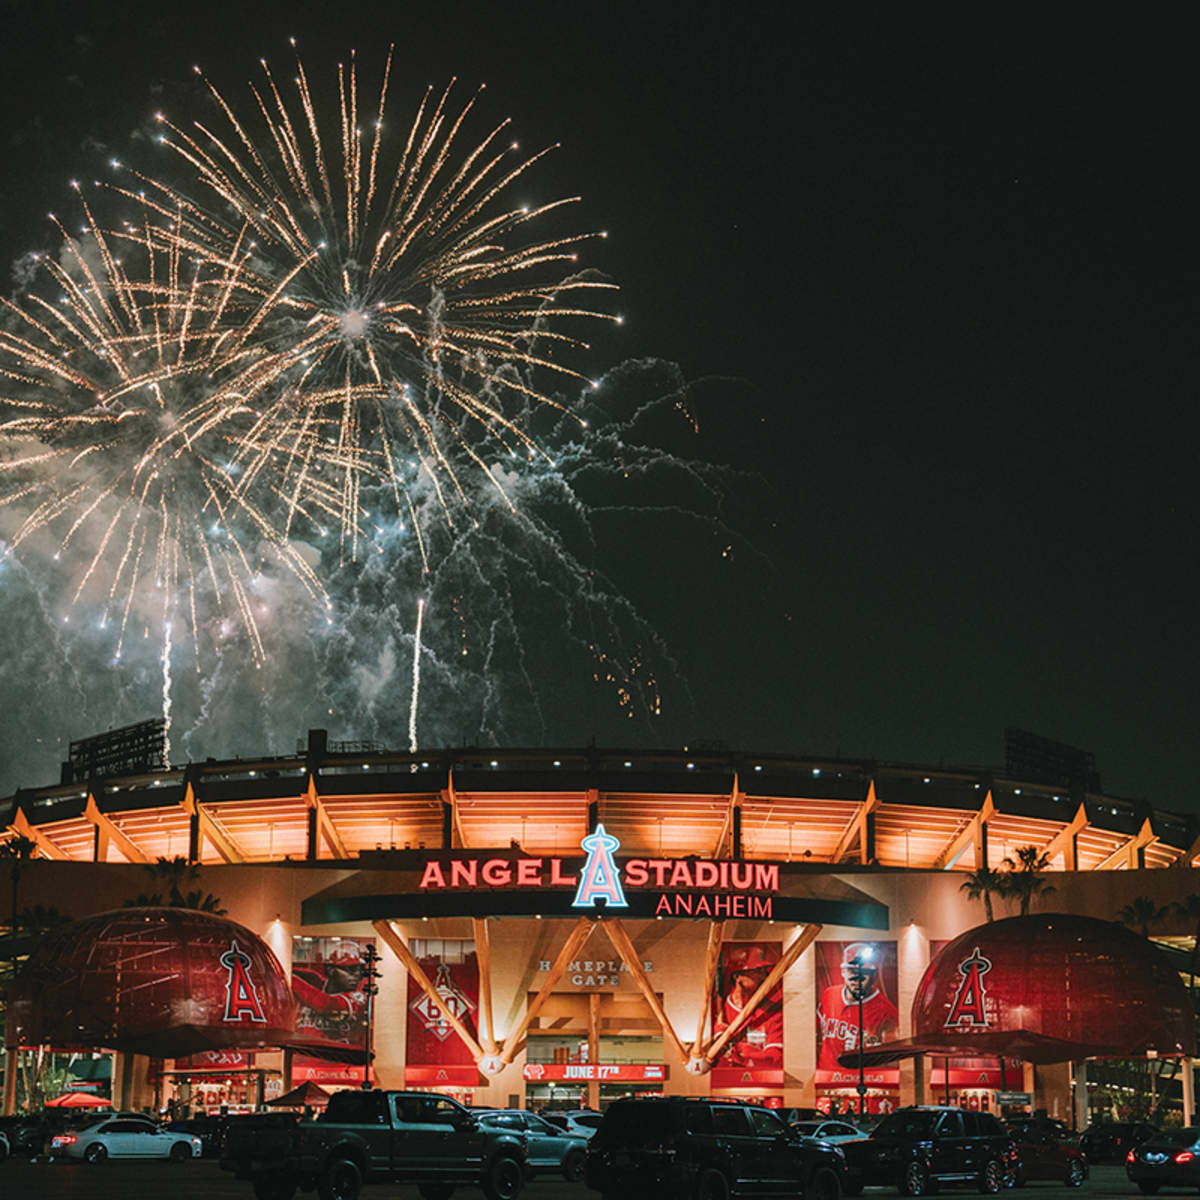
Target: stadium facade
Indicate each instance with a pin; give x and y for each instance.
(793, 888)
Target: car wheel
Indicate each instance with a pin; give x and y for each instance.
(824, 1185)
(342, 1180)
(180, 1152)
(1149, 1189)
(852, 1189)
(503, 1178)
(573, 1164)
(991, 1178)
(712, 1186)
(915, 1180)
(97, 1152)
(274, 1188)
(1075, 1173)
(436, 1191)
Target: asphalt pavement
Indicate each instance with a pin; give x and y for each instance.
(202, 1179)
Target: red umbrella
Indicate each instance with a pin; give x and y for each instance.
(78, 1100)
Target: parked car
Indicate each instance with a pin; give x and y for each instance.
(549, 1148)
(207, 1129)
(4, 1148)
(707, 1150)
(1047, 1149)
(1168, 1159)
(582, 1122)
(1112, 1141)
(369, 1136)
(828, 1131)
(917, 1148)
(125, 1138)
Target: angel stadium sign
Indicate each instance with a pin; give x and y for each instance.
(598, 882)
(730, 889)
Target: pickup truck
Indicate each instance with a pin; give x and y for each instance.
(372, 1136)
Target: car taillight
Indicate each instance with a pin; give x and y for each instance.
(64, 1139)
(1131, 1156)
(1184, 1156)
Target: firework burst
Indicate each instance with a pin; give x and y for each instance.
(394, 302)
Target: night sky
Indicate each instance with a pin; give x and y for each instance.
(942, 273)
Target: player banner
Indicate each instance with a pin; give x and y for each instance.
(758, 1047)
(848, 972)
(451, 966)
(327, 981)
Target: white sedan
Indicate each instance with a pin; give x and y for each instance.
(828, 1131)
(122, 1138)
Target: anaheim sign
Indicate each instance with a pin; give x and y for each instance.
(730, 889)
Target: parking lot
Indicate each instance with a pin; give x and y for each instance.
(204, 1180)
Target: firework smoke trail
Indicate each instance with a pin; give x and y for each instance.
(416, 679)
(166, 691)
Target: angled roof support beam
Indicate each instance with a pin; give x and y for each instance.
(107, 832)
(736, 796)
(857, 831)
(1132, 851)
(450, 799)
(226, 847)
(483, 956)
(974, 833)
(395, 944)
(1189, 855)
(325, 827)
(799, 944)
(712, 956)
(1063, 842)
(50, 849)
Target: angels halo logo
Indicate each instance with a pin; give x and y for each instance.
(600, 879)
(968, 1009)
(432, 1018)
(241, 996)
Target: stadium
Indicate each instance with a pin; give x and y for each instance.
(561, 927)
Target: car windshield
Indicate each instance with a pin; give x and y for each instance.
(636, 1121)
(906, 1125)
(806, 1128)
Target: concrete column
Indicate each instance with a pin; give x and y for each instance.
(10, 1082)
(912, 1080)
(1189, 1090)
(123, 1080)
(1081, 1095)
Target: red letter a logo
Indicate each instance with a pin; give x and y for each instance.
(968, 1007)
(241, 997)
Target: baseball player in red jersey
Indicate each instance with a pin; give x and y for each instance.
(332, 989)
(760, 1041)
(837, 1012)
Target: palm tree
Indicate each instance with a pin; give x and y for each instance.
(1024, 879)
(176, 873)
(982, 883)
(1140, 913)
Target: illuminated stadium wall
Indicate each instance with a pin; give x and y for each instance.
(321, 852)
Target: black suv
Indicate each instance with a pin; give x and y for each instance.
(706, 1149)
(916, 1148)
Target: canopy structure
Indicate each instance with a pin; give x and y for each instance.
(1047, 988)
(307, 1095)
(78, 1100)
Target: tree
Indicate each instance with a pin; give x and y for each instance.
(983, 883)
(176, 873)
(1024, 879)
(1140, 913)
(1189, 908)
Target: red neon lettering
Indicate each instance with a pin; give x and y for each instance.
(496, 872)
(741, 875)
(738, 907)
(766, 878)
(557, 878)
(760, 907)
(636, 874)
(659, 867)
(723, 870)
(464, 874)
(703, 908)
(664, 905)
(529, 872)
(720, 906)
(706, 874)
(681, 876)
(432, 876)
(683, 904)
